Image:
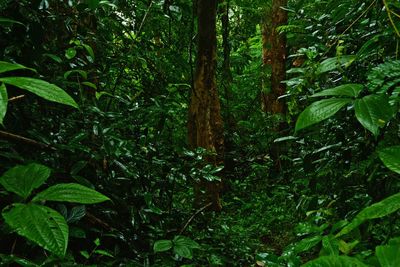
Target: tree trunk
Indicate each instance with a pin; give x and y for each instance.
(276, 57)
(205, 127)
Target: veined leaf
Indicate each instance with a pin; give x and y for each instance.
(40, 224)
(41, 88)
(389, 255)
(390, 156)
(3, 102)
(333, 63)
(162, 245)
(335, 261)
(75, 193)
(351, 90)
(373, 112)
(22, 179)
(376, 210)
(307, 243)
(319, 111)
(7, 66)
(185, 241)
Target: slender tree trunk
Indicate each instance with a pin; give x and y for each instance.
(205, 127)
(276, 57)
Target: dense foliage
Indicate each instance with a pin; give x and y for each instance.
(94, 159)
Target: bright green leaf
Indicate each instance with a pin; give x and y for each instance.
(162, 245)
(319, 111)
(70, 53)
(185, 241)
(54, 57)
(75, 193)
(89, 84)
(22, 179)
(390, 156)
(40, 224)
(389, 255)
(307, 243)
(351, 90)
(183, 251)
(3, 102)
(41, 88)
(373, 112)
(7, 66)
(376, 210)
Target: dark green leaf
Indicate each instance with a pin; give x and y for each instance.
(8, 22)
(40, 224)
(377, 210)
(75, 193)
(335, 261)
(22, 179)
(185, 241)
(162, 245)
(333, 63)
(183, 251)
(307, 244)
(319, 111)
(41, 88)
(389, 255)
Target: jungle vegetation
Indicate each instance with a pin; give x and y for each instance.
(200, 133)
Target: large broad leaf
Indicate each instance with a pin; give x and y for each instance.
(319, 111)
(162, 245)
(335, 261)
(7, 66)
(22, 179)
(389, 255)
(373, 111)
(390, 156)
(333, 63)
(307, 244)
(351, 89)
(71, 193)
(3, 102)
(41, 88)
(40, 224)
(377, 210)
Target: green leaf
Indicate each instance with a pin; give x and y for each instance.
(335, 261)
(75, 193)
(330, 245)
(162, 245)
(3, 102)
(390, 156)
(70, 53)
(89, 50)
(307, 244)
(333, 63)
(103, 253)
(40, 224)
(185, 241)
(89, 84)
(41, 88)
(7, 66)
(7, 22)
(183, 251)
(80, 72)
(376, 210)
(373, 111)
(319, 111)
(389, 255)
(351, 90)
(22, 179)
(54, 57)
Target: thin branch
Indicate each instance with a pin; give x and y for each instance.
(390, 18)
(24, 140)
(15, 98)
(144, 18)
(193, 216)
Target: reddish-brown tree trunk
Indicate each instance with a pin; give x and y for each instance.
(205, 127)
(276, 57)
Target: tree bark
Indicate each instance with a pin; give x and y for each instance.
(276, 57)
(205, 127)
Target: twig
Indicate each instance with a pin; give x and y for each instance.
(390, 18)
(192, 217)
(24, 140)
(144, 18)
(16, 98)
